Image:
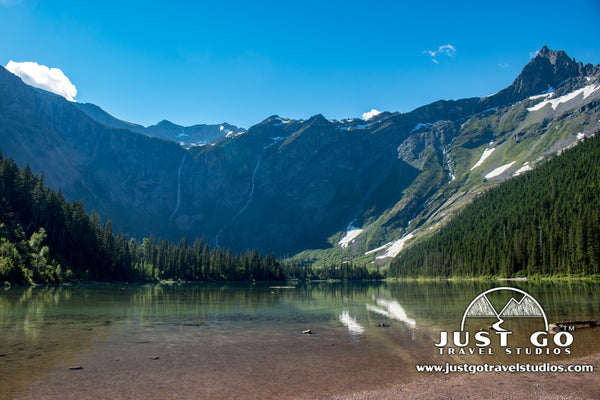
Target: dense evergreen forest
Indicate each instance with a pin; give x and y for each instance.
(545, 222)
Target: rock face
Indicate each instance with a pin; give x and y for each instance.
(128, 177)
(285, 185)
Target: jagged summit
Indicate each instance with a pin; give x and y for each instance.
(546, 71)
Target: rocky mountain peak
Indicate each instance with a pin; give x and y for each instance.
(547, 70)
(551, 55)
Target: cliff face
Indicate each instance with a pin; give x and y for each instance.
(288, 184)
(127, 177)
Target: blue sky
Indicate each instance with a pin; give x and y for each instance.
(242, 61)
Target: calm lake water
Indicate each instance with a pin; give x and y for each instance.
(222, 341)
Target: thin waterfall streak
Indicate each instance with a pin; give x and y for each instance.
(251, 194)
(248, 201)
(178, 190)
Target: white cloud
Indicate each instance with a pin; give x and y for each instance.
(533, 54)
(503, 65)
(445, 50)
(368, 115)
(40, 76)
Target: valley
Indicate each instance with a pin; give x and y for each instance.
(314, 191)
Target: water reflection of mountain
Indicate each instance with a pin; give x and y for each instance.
(44, 330)
(354, 328)
(393, 310)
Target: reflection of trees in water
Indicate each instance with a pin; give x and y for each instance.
(37, 334)
(196, 303)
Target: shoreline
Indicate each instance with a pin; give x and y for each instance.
(495, 385)
(591, 278)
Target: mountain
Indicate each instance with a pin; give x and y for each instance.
(196, 135)
(124, 175)
(316, 189)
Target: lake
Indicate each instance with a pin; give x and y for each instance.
(223, 341)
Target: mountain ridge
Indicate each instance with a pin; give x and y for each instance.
(292, 185)
(195, 135)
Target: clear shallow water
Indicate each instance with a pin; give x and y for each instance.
(245, 341)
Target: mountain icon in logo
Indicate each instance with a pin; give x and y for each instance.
(481, 308)
(527, 307)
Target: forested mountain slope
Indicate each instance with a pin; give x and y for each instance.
(545, 222)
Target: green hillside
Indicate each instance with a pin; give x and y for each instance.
(545, 222)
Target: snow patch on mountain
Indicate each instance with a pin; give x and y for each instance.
(421, 125)
(378, 249)
(352, 233)
(181, 134)
(499, 171)
(395, 247)
(526, 167)
(486, 153)
(232, 134)
(541, 96)
(347, 128)
(586, 91)
(281, 121)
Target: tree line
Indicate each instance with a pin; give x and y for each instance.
(345, 271)
(545, 222)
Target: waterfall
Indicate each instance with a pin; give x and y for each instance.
(252, 186)
(178, 190)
